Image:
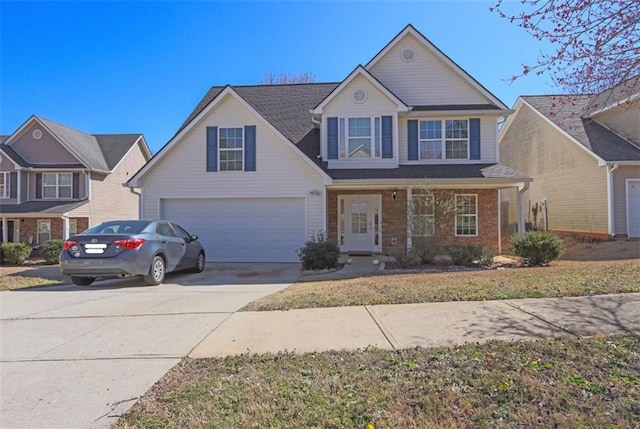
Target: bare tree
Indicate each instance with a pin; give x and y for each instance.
(596, 42)
(285, 78)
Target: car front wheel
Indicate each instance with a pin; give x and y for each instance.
(82, 281)
(200, 261)
(156, 272)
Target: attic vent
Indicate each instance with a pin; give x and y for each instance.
(37, 134)
(408, 55)
(359, 95)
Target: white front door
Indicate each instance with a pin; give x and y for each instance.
(360, 220)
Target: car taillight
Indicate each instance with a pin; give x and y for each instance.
(68, 244)
(131, 243)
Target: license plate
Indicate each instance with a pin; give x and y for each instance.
(94, 248)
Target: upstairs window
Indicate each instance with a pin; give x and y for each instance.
(231, 147)
(57, 185)
(359, 137)
(452, 144)
(4, 184)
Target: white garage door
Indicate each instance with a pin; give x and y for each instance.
(242, 229)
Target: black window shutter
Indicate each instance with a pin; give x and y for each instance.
(76, 185)
(474, 138)
(212, 148)
(387, 137)
(250, 148)
(412, 134)
(13, 185)
(39, 186)
(332, 138)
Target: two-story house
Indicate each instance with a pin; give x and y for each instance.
(403, 149)
(583, 152)
(56, 181)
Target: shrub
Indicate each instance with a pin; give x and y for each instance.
(319, 253)
(50, 250)
(464, 254)
(425, 251)
(16, 253)
(486, 258)
(537, 247)
(405, 258)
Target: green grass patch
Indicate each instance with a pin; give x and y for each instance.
(564, 382)
(560, 279)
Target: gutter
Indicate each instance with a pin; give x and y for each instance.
(521, 224)
(610, 201)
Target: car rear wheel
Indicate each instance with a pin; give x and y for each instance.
(82, 281)
(200, 261)
(156, 272)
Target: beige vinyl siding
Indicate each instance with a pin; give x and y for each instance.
(279, 171)
(425, 80)
(46, 150)
(624, 120)
(109, 199)
(488, 140)
(564, 174)
(376, 104)
(620, 177)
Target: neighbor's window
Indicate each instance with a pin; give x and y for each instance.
(4, 184)
(361, 139)
(455, 140)
(466, 215)
(423, 215)
(231, 148)
(44, 230)
(73, 226)
(57, 185)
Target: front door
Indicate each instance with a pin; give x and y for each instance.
(360, 219)
(11, 231)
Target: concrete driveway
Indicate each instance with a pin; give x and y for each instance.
(78, 357)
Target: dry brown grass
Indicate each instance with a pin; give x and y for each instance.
(30, 275)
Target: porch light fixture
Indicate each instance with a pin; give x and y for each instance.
(394, 195)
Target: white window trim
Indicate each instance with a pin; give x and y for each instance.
(443, 139)
(5, 192)
(57, 187)
(466, 215)
(241, 150)
(39, 222)
(432, 215)
(343, 137)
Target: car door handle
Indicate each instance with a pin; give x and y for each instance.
(163, 241)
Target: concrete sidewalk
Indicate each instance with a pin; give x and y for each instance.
(425, 325)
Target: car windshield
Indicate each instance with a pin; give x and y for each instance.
(118, 227)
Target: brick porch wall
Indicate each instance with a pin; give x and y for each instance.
(29, 228)
(394, 217)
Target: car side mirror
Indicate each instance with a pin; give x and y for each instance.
(193, 237)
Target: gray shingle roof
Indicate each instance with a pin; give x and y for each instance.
(287, 107)
(566, 111)
(618, 94)
(100, 152)
(50, 207)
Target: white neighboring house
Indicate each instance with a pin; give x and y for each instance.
(256, 171)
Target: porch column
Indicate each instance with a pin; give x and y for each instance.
(5, 233)
(521, 207)
(65, 227)
(409, 219)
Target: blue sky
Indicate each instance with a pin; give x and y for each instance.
(141, 67)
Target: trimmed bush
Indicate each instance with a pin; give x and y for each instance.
(425, 251)
(464, 254)
(15, 253)
(405, 258)
(537, 247)
(50, 250)
(486, 258)
(319, 253)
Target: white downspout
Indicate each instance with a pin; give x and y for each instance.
(521, 215)
(610, 200)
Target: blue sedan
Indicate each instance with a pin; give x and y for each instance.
(127, 248)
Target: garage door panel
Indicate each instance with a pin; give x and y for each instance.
(242, 230)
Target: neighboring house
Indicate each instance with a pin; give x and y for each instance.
(256, 171)
(583, 152)
(56, 181)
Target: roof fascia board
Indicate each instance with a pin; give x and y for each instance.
(15, 164)
(410, 29)
(631, 99)
(361, 71)
(510, 119)
(478, 183)
(496, 113)
(227, 91)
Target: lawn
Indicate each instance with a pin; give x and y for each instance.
(25, 276)
(561, 278)
(575, 383)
